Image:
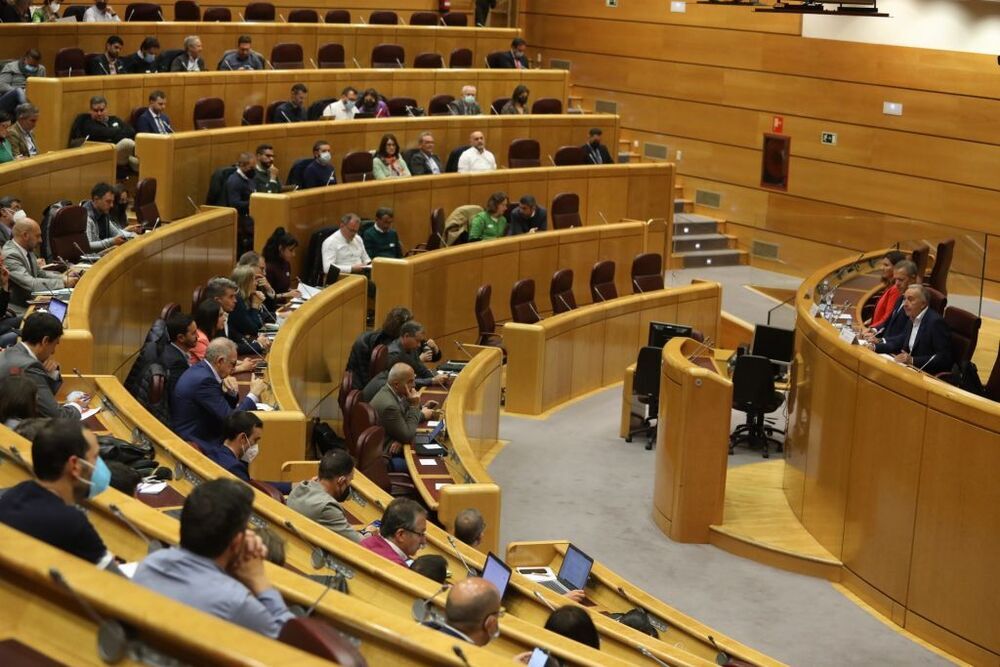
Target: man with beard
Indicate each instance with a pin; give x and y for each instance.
(64, 456)
(266, 177)
(320, 498)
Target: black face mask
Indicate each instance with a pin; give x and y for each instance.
(250, 172)
(368, 103)
(595, 143)
(522, 99)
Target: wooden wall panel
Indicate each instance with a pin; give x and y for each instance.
(68, 174)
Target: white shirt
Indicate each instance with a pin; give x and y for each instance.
(338, 111)
(473, 160)
(342, 253)
(916, 328)
(94, 15)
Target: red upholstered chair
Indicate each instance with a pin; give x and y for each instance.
(350, 438)
(373, 463)
(217, 15)
(523, 153)
(337, 16)
(397, 106)
(287, 55)
(547, 105)
(379, 359)
(253, 115)
(428, 61)
(568, 156)
(456, 19)
(383, 18)
(316, 636)
(498, 104)
(76, 11)
(271, 108)
(146, 211)
(435, 239)
(259, 11)
(460, 59)
(484, 318)
(522, 302)
(187, 10)
(938, 300)
(303, 16)
(209, 113)
(561, 291)
(921, 257)
(993, 384)
(169, 311)
(425, 18)
(495, 60)
(602, 281)
(964, 327)
(438, 105)
(197, 296)
(330, 56)
(67, 232)
(942, 266)
(346, 387)
(388, 56)
(647, 272)
(565, 211)
(143, 11)
(70, 62)
(356, 166)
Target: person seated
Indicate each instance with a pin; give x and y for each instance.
(402, 533)
(372, 103)
(345, 107)
(6, 150)
(102, 127)
(345, 249)
(470, 526)
(320, 172)
(476, 157)
(412, 348)
(17, 11)
(14, 79)
(432, 566)
(471, 612)
(515, 57)
(361, 350)
(458, 221)
(240, 446)
(18, 400)
(207, 393)
(240, 184)
(102, 232)
(596, 152)
(904, 274)
(100, 12)
(243, 58)
(465, 105)
(10, 212)
(527, 217)
(119, 211)
(279, 250)
(518, 103)
(388, 163)
(34, 358)
(380, 239)
(25, 274)
(153, 119)
(176, 356)
(294, 110)
(22, 131)
(219, 566)
(190, 60)
(256, 262)
(890, 293)
(109, 61)
(397, 405)
(224, 291)
(142, 61)
(10, 324)
(321, 497)
(575, 623)
(68, 469)
(425, 161)
(210, 320)
(265, 178)
(247, 317)
(490, 224)
(925, 343)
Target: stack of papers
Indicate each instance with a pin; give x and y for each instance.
(62, 293)
(307, 291)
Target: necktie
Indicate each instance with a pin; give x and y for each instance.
(159, 126)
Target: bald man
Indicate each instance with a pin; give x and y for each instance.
(472, 611)
(476, 157)
(26, 276)
(397, 405)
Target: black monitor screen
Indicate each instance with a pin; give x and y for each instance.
(774, 343)
(661, 332)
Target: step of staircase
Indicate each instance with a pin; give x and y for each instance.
(698, 242)
(682, 205)
(694, 223)
(729, 257)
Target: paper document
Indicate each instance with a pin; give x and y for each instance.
(307, 291)
(87, 414)
(152, 488)
(428, 462)
(438, 485)
(128, 569)
(431, 447)
(264, 407)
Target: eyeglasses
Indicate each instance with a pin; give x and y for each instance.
(410, 530)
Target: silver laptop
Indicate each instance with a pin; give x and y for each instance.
(573, 572)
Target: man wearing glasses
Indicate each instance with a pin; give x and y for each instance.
(402, 533)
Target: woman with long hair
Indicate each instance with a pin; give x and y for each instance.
(388, 163)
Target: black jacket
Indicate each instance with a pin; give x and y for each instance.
(932, 348)
(506, 61)
(112, 131)
(418, 164)
(591, 154)
(135, 64)
(100, 65)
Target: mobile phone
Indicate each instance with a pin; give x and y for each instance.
(539, 658)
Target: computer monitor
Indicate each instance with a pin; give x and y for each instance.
(575, 568)
(497, 573)
(661, 332)
(57, 308)
(774, 343)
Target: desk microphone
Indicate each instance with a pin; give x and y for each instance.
(242, 18)
(487, 61)
(151, 545)
(330, 579)
(79, 249)
(403, 21)
(155, 225)
(532, 306)
(564, 303)
(466, 352)
(422, 608)
(598, 294)
(461, 654)
(441, 21)
(927, 362)
(635, 284)
(399, 63)
(166, 125)
(282, 18)
(268, 63)
(468, 568)
(196, 208)
(226, 63)
(112, 642)
(363, 21)
(102, 64)
(85, 139)
(601, 213)
(541, 598)
(356, 63)
(649, 654)
(161, 15)
(251, 342)
(131, 14)
(315, 66)
(287, 119)
(552, 161)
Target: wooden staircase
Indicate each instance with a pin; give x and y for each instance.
(699, 239)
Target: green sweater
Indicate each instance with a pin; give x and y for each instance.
(381, 244)
(6, 152)
(485, 227)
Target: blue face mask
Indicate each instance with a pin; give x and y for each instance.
(30, 69)
(100, 478)
(148, 57)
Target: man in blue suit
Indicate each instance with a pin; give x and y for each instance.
(904, 274)
(925, 343)
(207, 393)
(153, 120)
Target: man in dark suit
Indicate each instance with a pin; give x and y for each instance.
(142, 61)
(25, 274)
(207, 393)
(926, 342)
(294, 110)
(397, 405)
(34, 358)
(107, 62)
(904, 274)
(153, 120)
(527, 217)
(424, 161)
(595, 151)
(412, 348)
(515, 58)
(483, 8)
(176, 356)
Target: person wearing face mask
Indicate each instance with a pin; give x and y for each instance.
(596, 152)
(345, 107)
(320, 498)
(518, 102)
(10, 213)
(46, 13)
(240, 184)
(320, 171)
(6, 150)
(22, 132)
(243, 431)
(142, 61)
(100, 12)
(472, 612)
(219, 566)
(64, 457)
(515, 57)
(154, 120)
(107, 62)
(372, 105)
(14, 79)
(465, 105)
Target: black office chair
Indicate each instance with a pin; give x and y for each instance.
(646, 389)
(754, 394)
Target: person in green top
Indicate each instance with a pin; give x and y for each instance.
(491, 223)
(6, 151)
(381, 240)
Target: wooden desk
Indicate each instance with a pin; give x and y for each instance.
(899, 484)
(63, 99)
(61, 174)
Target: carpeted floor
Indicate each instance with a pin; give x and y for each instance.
(596, 491)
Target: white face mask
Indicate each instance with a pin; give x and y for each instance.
(54, 7)
(325, 157)
(250, 454)
(19, 215)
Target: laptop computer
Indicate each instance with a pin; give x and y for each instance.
(430, 433)
(57, 307)
(573, 572)
(497, 573)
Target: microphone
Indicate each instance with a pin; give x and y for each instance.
(422, 608)
(552, 161)
(282, 18)
(161, 14)
(329, 584)
(564, 303)
(251, 343)
(649, 654)
(226, 63)
(466, 352)
(166, 124)
(241, 17)
(364, 177)
(112, 642)
(151, 545)
(927, 362)
(468, 568)
(356, 63)
(635, 284)
(363, 21)
(722, 658)
(70, 71)
(315, 66)
(601, 213)
(195, 206)
(402, 20)
(131, 14)
(461, 654)
(155, 224)
(441, 21)
(399, 63)
(268, 63)
(409, 111)
(598, 294)
(532, 306)
(79, 249)
(282, 112)
(545, 602)
(85, 139)
(487, 61)
(103, 67)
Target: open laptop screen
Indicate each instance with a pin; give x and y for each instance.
(497, 573)
(57, 308)
(575, 568)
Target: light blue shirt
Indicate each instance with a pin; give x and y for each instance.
(200, 583)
